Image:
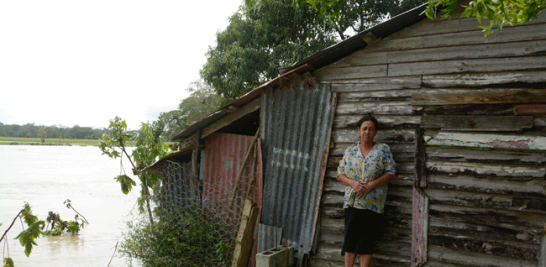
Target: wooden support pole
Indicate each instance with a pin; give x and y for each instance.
(242, 169)
(245, 240)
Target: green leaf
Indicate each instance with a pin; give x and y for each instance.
(126, 183)
(8, 262)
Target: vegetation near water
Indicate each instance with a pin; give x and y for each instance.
(51, 142)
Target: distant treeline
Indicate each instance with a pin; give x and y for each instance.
(31, 130)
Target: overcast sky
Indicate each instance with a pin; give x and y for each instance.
(85, 62)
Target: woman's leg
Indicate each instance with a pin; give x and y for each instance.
(349, 259)
(365, 260)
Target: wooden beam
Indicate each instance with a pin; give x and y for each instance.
(244, 241)
(420, 180)
(542, 252)
(477, 123)
(492, 97)
(531, 110)
(520, 142)
(370, 38)
(235, 115)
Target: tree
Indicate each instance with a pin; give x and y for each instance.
(149, 148)
(202, 101)
(498, 12)
(42, 134)
(359, 15)
(262, 37)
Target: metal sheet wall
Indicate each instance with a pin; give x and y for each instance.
(296, 126)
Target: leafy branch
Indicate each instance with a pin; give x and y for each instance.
(498, 12)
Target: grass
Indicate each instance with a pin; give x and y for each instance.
(50, 141)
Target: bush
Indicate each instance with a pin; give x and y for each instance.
(186, 237)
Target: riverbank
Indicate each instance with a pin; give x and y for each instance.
(47, 142)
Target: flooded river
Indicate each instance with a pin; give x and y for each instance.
(45, 176)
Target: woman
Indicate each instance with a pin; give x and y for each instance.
(365, 170)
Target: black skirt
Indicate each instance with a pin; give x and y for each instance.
(362, 229)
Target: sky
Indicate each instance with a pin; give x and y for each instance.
(85, 62)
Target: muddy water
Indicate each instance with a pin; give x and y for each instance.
(45, 176)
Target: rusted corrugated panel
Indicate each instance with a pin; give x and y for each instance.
(224, 155)
(296, 125)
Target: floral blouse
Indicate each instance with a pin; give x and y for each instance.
(378, 162)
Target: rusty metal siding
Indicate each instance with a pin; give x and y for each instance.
(296, 128)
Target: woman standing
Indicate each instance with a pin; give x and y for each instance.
(365, 170)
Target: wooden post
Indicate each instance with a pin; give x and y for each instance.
(542, 252)
(245, 240)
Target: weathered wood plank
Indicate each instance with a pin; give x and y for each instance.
(518, 142)
(362, 58)
(443, 254)
(542, 255)
(499, 50)
(494, 201)
(474, 123)
(467, 65)
(333, 74)
(532, 188)
(385, 122)
(535, 110)
(387, 136)
(481, 80)
(498, 109)
(506, 232)
(374, 84)
(488, 97)
(385, 108)
(485, 156)
(339, 148)
(235, 115)
(393, 209)
(489, 217)
(513, 34)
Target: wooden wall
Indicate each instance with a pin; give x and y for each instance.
(487, 205)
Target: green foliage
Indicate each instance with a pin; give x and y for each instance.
(27, 236)
(498, 12)
(193, 239)
(359, 15)
(262, 37)
(8, 262)
(30, 130)
(126, 183)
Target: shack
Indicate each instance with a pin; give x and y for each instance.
(463, 114)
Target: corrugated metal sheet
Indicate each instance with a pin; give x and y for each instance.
(224, 155)
(296, 127)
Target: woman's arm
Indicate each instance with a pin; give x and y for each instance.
(379, 182)
(359, 187)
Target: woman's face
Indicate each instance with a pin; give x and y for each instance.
(367, 131)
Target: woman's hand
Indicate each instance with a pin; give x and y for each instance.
(362, 189)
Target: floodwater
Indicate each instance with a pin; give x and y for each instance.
(45, 176)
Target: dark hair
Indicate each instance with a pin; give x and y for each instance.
(368, 117)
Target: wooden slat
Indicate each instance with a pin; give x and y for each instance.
(535, 110)
(480, 80)
(374, 84)
(442, 254)
(507, 232)
(514, 34)
(500, 50)
(333, 74)
(490, 97)
(518, 142)
(485, 156)
(542, 254)
(495, 109)
(477, 123)
(351, 136)
(386, 108)
(494, 201)
(467, 65)
(361, 58)
(339, 148)
(532, 188)
(488, 217)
